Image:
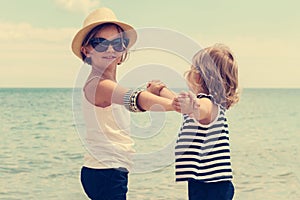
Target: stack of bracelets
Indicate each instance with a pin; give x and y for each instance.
(130, 100)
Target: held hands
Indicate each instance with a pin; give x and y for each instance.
(155, 86)
(186, 103)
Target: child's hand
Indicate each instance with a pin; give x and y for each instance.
(185, 103)
(155, 86)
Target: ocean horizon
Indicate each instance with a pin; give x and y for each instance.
(41, 150)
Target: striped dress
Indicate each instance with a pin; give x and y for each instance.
(202, 151)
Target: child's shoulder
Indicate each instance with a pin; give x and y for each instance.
(209, 98)
(205, 96)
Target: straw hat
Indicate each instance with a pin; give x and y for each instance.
(98, 17)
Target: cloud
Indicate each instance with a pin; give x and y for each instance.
(36, 57)
(25, 43)
(26, 32)
(78, 5)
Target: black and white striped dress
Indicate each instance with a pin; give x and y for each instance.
(202, 151)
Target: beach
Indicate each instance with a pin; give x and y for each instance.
(41, 150)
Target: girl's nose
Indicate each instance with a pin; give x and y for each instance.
(110, 48)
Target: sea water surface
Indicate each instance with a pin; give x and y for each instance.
(41, 151)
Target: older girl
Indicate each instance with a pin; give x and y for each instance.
(103, 43)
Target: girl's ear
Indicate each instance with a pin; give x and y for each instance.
(85, 51)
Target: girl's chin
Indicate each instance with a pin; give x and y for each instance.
(109, 61)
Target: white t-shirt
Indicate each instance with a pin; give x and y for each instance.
(107, 137)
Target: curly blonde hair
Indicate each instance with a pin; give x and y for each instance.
(214, 71)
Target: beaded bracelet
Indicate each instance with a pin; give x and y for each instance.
(130, 100)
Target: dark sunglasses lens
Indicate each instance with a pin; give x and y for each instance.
(120, 44)
(126, 42)
(101, 44)
(101, 48)
(117, 45)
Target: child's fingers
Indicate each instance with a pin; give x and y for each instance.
(182, 94)
(177, 102)
(176, 105)
(178, 109)
(184, 99)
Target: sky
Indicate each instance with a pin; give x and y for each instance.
(35, 39)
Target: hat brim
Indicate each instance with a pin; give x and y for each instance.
(81, 34)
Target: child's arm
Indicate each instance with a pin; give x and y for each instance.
(200, 109)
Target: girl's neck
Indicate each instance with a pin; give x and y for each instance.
(108, 73)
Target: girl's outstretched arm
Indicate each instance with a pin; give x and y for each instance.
(149, 101)
(104, 92)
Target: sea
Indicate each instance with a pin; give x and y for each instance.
(42, 153)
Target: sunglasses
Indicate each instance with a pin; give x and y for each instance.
(102, 44)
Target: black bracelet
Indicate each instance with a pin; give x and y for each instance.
(130, 100)
(137, 105)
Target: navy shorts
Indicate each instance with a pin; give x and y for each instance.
(223, 190)
(105, 184)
